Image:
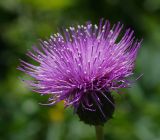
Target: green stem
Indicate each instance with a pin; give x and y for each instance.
(99, 132)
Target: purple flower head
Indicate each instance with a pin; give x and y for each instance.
(82, 66)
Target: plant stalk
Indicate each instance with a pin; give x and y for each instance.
(99, 132)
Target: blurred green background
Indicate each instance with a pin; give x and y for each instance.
(23, 22)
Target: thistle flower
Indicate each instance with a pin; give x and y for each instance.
(82, 66)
